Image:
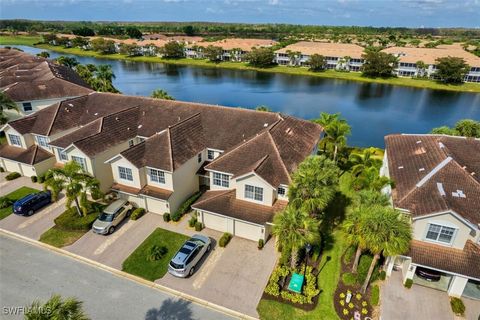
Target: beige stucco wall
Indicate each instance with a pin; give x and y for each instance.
(27, 139)
(42, 167)
(254, 180)
(139, 178)
(214, 187)
(463, 233)
(185, 183)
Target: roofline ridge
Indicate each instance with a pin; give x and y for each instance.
(279, 156)
(54, 117)
(220, 193)
(185, 120)
(468, 174)
(170, 150)
(436, 169)
(32, 161)
(260, 162)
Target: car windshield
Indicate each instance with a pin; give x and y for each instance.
(106, 217)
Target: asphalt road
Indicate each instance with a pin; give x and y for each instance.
(28, 273)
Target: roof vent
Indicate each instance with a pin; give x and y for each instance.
(419, 141)
(117, 118)
(70, 105)
(421, 169)
(400, 167)
(139, 126)
(288, 131)
(440, 189)
(459, 194)
(420, 150)
(473, 173)
(265, 125)
(96, 114)
(128, 129)
(441, 145)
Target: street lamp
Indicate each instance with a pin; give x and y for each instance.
(308, 248)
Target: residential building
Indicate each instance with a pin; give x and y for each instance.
(410, 57)
(157, 153)
(234, 49)
(34, 83)
(437, 184)
(342, 56)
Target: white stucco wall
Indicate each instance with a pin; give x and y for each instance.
(168, 179)
(215, 187)
(185, 183)
(139, 178)
(256, 181)
(26, 140)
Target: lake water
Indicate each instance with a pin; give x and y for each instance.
(373, 110)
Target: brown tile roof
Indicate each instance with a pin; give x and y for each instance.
(327, 49)
(238, 43)
(225, 203)
(464, 262)
(155, 192)
(428, 171)
(32, 155)
(126, 189)
(429, 55)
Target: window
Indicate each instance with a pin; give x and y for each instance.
(125, 173)
(27, 106)
(281, 191)
(15, 140)
(210, 155)
(42, 141)
(62, 155)
(255, 193)
(440, 233)
(220, 179)
(81, 161)
(199, 157)
(157, 175)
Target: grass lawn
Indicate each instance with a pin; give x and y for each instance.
(327, 282)
(14, 196)
(138, 264)
(20, 40)
(69, 227)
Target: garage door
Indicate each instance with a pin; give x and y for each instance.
(156, 206)
(215, 222)
(11, 166)
(248, 231)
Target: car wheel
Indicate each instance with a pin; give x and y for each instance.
(30, 212)
(111, 230)
(208, 248)
(129, 212)
(192, 271)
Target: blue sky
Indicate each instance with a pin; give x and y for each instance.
(405, 13)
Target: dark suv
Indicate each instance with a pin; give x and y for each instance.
(31, 203)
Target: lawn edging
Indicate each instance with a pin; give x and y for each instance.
(126, 275)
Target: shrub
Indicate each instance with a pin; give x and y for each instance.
(348, 255)
(408, 283)
(382, 275)
(156, 253)
(310, 289)
(41, 178)
(185, 207)
(5, 202)
(225, 239)
(285, 257)
(137, 214)
(457, 306)
(97, 194)
(349, 278)
(166, 217)
(375, 295)
(192, 222)
(13, 176)
(1, 169)
(273, 288)
(198, 226)
(316, 253)
(34, 179)
(261, 243)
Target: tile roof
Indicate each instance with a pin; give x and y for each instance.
(224, 202)
(238, 43)
(464, 262)
(429, 170)
(429, 55)
(155, 192)
(327, 49)
(32, 155)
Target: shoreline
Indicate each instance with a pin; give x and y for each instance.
(295, 71)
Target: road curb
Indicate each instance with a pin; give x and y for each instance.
(128, 276)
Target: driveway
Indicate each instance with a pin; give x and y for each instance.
(233, 277)
(34, 226)
(113, 249)
(397, 302)
(8, 186)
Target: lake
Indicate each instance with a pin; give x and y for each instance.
(373, 110)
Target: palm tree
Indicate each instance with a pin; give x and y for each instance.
(161, 94)
(104, 76)
(363, 161)
(353, 227)
(421, 67)
(370, 179)
(6, 104)
(325, 120)
(336, 134)
(70, 62)
(56, 308)
(294, 228)
(76, 184)
(387, 232)
(370, 198)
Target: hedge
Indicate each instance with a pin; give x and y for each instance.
(225, 239)
(375, 295)
(457, 306)
(185, 207)
(166, 217)
(198, 226)
(13, 176)
(261, 243)
(137, 214)
(408, 283)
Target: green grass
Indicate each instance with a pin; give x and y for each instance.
(14, 196)
(59, 238)
(327, 282)
(20, 40)
(138, 264)
(332, 74)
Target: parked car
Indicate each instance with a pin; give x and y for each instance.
(427, 274)
(111, 216)
(185, 260)
(31, 203)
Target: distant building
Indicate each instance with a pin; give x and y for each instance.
(234, 49)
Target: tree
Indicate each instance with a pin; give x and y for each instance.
(313, 184)
(294, 228)
(422, 68)
(6, 104)
(361, 162)
(70, 62)
(387, 232)
(173, 50)
(103, 46)
(83, 31)
(104, 77)
(353, 227)
(378, 64)
(50, 38)
(370, 198)
(130, 50)
(317, 62)
(161, 94)
(370, 179)
(189, 30)
(133, 33)
(336, 134)
(76, 183)
(79, 42)
(56, 308)
(263, 108)
(325, 120)
(468, 128)
(294, 57)
(213, 53)
(451, 69)
(260, 57)
(444, 130)
(44, 54)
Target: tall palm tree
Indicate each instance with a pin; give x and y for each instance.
(387, 232)
(56, 308)
(370, 179)
(295, 228)
(105, 76)
(370, 198)
(364, 161)
(327, 118)
(76, 184)
(161, 94)
(336, 134)
(352, 227)
(6, 104)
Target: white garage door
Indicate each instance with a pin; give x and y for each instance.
(11, 166)
(157, 206)
(248, 231)
(215, 222)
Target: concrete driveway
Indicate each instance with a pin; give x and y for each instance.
(8, 186)
(233, 277)
(34, 226)
(419, 302)
(113, 249)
